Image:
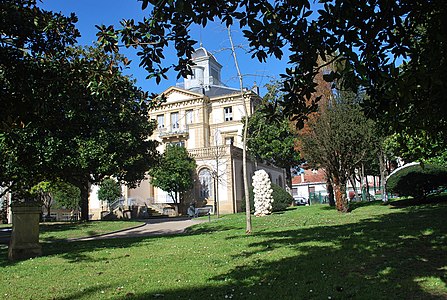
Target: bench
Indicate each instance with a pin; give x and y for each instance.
(202, 211)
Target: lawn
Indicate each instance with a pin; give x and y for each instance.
(374, 252)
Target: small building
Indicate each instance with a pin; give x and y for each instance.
(311, 185)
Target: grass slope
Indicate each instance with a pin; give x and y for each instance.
(374, 252)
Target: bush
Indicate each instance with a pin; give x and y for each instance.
(418, 181)
(281, 199)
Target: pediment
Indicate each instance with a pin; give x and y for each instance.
(175, 94)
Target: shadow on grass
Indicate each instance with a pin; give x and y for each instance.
(433, 199)
(79, 251)
(210, 228)
(356, 205)
(401, 255)
(387, 257)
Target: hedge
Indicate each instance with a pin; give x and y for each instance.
(418, 181)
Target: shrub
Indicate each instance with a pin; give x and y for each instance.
(418, 181)
(281, 199)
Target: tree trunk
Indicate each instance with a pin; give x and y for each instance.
(248, 228)
(84, 188)
(288, 179)
(330, 191)
(354, 186)
(382, 168)
(340, 195)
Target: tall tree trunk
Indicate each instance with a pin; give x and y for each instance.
(341, 200)
(288, 179)
(354, 185)
(382, 167)
(248, 228)
(84, 188)
(330, 191)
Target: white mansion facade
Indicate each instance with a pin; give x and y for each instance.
(204, 116)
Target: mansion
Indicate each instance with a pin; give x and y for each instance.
(205, 117)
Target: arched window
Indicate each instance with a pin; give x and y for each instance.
(205, 183)
(280, 181)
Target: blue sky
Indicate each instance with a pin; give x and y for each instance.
(214, 39)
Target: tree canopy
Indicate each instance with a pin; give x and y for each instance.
(109, 190)
(175, 172)
(366, 40)
(80, 118)
(339, 140)
(272, 142)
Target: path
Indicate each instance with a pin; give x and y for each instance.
(152, 227)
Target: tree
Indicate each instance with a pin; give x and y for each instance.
(94, 124)
(339, 141)
(44, 194)
(31, 43)
(273, 141)
(67, 196)
(109, 190)
(365, 39)
(174, 174)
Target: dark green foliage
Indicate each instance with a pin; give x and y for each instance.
(364, 40)
(67, 195)
(272, 141)
(174, 174)
(340, 140)
(281, 199)
(109, 190)
(66, 112)
(418, 181)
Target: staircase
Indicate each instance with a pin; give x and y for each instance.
(133, 209)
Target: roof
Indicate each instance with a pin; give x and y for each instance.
(310, 176)
(216, 90)
(201, 53)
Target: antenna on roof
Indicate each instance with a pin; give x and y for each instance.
(200, 35)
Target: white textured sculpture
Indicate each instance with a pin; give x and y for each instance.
(262, 189)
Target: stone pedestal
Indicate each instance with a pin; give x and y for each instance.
(25, 231)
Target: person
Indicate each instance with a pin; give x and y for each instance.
(191, 210)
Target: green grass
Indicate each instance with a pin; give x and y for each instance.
(374, 252)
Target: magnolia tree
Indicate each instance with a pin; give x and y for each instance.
(262, 189)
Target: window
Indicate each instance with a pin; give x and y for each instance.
(229, 140)
(228, 114)
(294, 191)
(161, 121)
(174, 121)
(205, 183)
(189, 116)
(179, 143)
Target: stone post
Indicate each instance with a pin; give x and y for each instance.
(25, 231)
